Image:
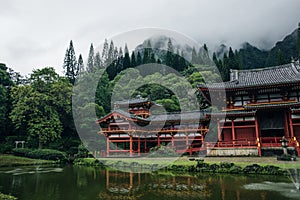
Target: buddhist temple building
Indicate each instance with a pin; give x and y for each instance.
(262, 106)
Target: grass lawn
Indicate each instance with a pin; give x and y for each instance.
(161, 161)
(11, 161)
(184, 161)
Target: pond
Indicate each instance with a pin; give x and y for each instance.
(88, 183)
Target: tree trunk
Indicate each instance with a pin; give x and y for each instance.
(40, 143)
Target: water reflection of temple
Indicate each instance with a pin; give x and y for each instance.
(122, 185)
(163, 185)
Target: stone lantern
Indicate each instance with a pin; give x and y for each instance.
(284, 144)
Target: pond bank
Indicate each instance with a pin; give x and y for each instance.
(12, 161)
(230, 165)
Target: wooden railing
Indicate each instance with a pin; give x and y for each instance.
(164, 130)
(235, 143)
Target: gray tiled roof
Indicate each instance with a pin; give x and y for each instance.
(192, 115)
(234, 113)
(289, 73)
(133, 101)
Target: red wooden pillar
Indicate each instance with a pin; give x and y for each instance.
(158, 141)
(107, 145)
(130, 146)
(257, 136)
(219, 133)
(233, 131)
(139, 146)
(173, 143)
(286, 126)
(291, 125)
(186, 140)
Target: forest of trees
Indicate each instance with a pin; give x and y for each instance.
(38, 108)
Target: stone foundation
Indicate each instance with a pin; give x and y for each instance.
(232, 152)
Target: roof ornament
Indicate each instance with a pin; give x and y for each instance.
(234, 75)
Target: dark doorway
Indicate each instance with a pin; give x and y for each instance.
(272, 133)
(271, 123)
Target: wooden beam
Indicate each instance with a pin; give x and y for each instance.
(244, 126)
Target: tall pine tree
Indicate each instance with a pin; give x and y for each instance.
(105, 54)
(97, 61)
(126, 62)
(170, 54)
(120, 53)
(90, 62)
(147, 52)
(225, 68)
(70, 64)
(133, 60)
(80, 65)
(116, 53)
(111, 56)
(138, 59)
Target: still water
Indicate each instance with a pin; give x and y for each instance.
(87, 183)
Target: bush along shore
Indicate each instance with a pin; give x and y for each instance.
(44, 154)
(25, 156)
(231, 168)
(7, 197)
(198, 167)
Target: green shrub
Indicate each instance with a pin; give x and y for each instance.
(23, 152)
(48, 154)
(88, 162)
(45, 154)
(82, 151)
(6, 148)
(6, 197)
(162, 151)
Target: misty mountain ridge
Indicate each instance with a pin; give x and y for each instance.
(160, 42)
(254, 57)
(250, 56)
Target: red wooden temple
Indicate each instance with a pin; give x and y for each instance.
(136, 131)
(262, 105)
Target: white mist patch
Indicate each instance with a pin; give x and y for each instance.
(32, 170)
(285, 189)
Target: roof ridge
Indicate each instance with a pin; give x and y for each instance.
(192, 111)
(264, 68)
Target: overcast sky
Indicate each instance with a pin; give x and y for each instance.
(36, 33)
